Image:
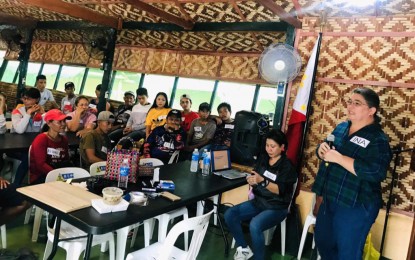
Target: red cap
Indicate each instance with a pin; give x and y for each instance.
(56, 114)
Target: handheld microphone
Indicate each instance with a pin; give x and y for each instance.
(330, 142)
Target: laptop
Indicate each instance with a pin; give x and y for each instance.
(221, 165)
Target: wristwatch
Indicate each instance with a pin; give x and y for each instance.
(264, 183)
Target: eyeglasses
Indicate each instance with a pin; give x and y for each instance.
(354, 103)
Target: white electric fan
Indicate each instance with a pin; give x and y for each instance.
(279, 63)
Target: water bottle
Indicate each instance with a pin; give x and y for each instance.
(206, 164)
(123, 175)
(204, 154)
(195, 160)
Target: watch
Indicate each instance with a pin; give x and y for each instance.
(264, 183)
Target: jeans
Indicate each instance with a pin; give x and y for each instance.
(340, 232)
(260, 220)
(23, 168)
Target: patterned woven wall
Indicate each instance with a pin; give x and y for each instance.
(379, 59)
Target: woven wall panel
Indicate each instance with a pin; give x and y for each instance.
(235, 41)
(212, 12)
(239, 68)
(168, 8)
(195, 41)
(161, 62)
(199, 65)
(38, 52)
(131, 59)
(53, 53)
(79, 55)
(69, 53)
(267, 38)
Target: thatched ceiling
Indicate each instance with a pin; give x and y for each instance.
(191, 25)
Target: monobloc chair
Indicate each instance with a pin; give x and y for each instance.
(163, 219)
(268, 234)
(98, 168)
(75, 247)
(166, 249)
(75, 173)
(3, 237)
(310, 220)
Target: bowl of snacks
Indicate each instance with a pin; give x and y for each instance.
(112, 195)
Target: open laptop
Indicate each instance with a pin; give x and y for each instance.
(221, 165)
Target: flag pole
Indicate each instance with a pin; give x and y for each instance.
(300, 158)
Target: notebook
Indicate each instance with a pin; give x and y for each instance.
(221, 165)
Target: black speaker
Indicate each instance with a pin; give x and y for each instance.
(248, 137)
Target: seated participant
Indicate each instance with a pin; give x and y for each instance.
(158, 112)
(187, 115)
(272, 183)
(224, 130)
(46, 97)
(50, 149)
(68, 102)
(135, 127)
(94, 101)
(166, 139)
(82, 120)
(12, 203)
(26, 118)
(201, 130)
(122, 114)
(95, 145)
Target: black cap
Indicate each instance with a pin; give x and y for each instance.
(204, 106)
(174, 113)
(69, 85)
(32, 93)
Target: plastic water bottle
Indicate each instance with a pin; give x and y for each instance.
(195, 160)
(204, 154)
(123, 175)
(206, 164)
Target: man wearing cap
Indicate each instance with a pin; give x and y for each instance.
(68, 101)
(46, 95)
(95, 145)
(187, 115)
(166, 139)
(49, 149)
(135, 127)
(121, 116)
(201, 130)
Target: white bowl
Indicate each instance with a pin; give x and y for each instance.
(112, 195)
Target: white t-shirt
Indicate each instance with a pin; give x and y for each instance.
(138, 116)
(46, 95)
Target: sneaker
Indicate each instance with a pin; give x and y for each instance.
(243, 253)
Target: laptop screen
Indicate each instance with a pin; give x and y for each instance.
(221, 160)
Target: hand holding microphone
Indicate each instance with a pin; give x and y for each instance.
(330, 142)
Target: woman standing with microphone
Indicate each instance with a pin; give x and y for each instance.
(272, 183)
(349, 179)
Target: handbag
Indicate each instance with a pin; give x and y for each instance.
(116, 157)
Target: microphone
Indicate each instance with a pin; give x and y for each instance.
(330, 142)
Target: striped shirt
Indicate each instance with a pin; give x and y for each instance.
(371, 152)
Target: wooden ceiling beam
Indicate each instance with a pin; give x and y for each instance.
(17, 21)
(188, 25)
(278, 10)
(75, 11)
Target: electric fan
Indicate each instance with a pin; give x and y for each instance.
(279, 63)
(95, 43)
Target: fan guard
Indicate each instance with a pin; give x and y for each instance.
(95, 43)
(12, 38)
(279, 63)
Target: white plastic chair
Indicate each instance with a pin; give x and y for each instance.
(75, 247)
(310, 220)
(98, 168)
(166, 250)
(3, 236)
(200, 208)
(163, 219)
(52, 176)
(174, 157)
(268, 234)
